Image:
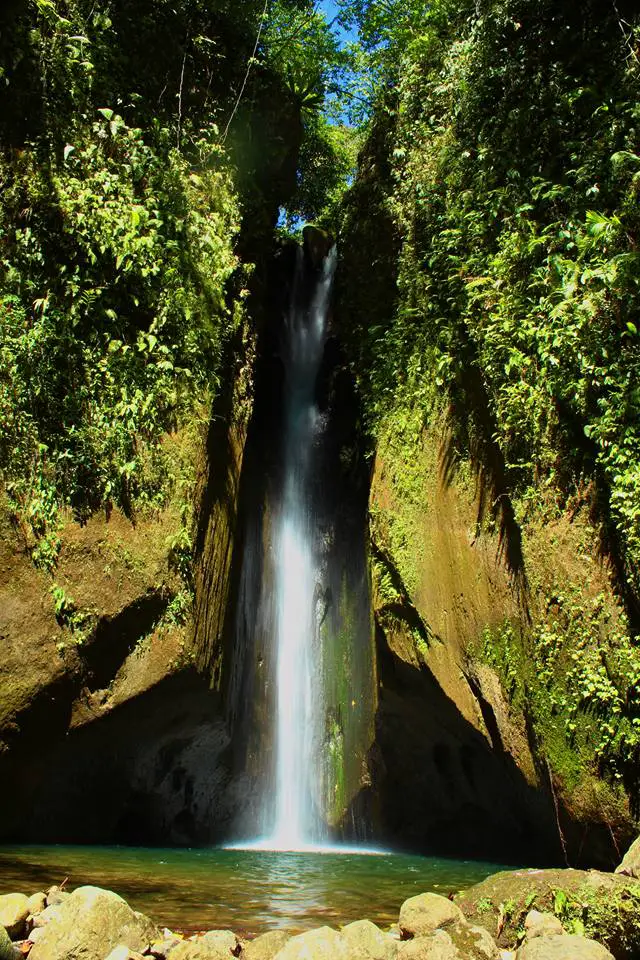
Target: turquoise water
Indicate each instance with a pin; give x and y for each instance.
(247, 891)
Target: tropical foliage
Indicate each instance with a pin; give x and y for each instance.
(492, 279)
(124, 177)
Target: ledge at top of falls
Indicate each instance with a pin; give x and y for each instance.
(316, 244)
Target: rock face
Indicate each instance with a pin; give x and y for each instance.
(563, 948)
(90, 924)
(425, 913)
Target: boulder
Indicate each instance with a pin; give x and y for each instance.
(37, 903)
(320, 944)
(266, 946)
(214, 945)
(7, 949)
(563, 948)
(225, 941)
(608, 906)
(47, 915)
(538, 924)
(473, 942)
(56, 895)
(426, 913)
(433, 946)
(366, 941)
(14, 910)
(89, 923)
(121, 952)
(35, 934)
(162, 948)
(630, 866)
(316, 243)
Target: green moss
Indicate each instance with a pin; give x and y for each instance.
(576, 677)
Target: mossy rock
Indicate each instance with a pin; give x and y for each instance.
(603, 906)
(317, 244)
(7, 949)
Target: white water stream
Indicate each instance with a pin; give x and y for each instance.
(299, 699)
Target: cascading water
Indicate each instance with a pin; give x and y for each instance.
(299, 697)
(302, 683)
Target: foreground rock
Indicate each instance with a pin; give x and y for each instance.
(14, 910)
(606, 906)
(542, 925)
(321, 944)
(426, 913)
(630, 866)
(563, 948)
(266, 946)
(214, 945)
(366, 941)
(433, 946)
(89, 924)
(7, 949)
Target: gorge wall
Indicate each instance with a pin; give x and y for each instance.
(504, 573)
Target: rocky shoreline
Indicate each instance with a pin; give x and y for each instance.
(513, 915)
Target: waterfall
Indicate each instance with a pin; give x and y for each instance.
(299, 672)
(301, 689)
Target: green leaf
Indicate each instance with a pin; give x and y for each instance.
(68, 150)
(106, 113)
(631, 327)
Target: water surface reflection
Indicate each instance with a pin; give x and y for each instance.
(249, 891)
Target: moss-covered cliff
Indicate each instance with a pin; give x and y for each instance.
(488, 297)
(139, 199)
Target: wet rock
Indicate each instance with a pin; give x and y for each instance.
(37, 903)
(317, 244)
(426, 913)
(89, 924)
(539, 924)
(630, 866)
(366, 941)
(14, 910)
(321, 944)
(7, 950)
(473, 942)
(433, 946)
(266, 946)
(563, 948)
